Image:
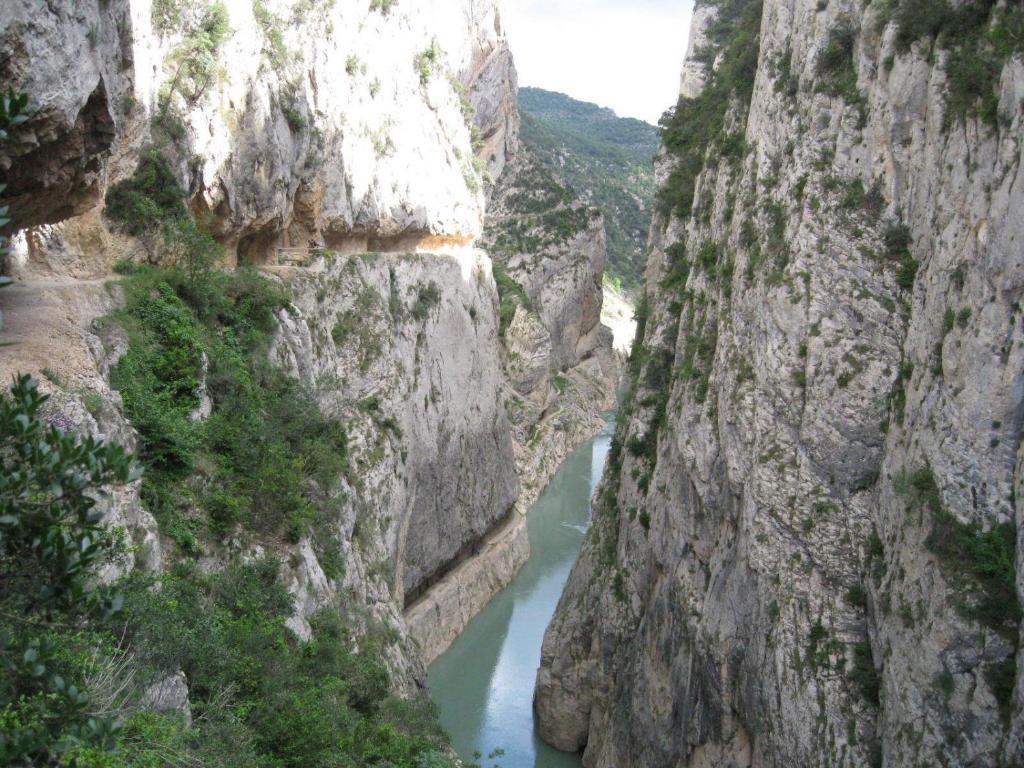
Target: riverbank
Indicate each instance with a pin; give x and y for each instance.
(438, 616)
(483, 684)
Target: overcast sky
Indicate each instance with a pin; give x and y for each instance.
(623, 54)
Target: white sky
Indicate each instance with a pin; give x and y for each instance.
(623, 54)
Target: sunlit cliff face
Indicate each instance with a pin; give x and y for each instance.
(345, 124)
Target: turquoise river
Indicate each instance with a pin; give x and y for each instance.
(483, 684)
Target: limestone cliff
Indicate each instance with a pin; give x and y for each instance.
(335, 123)
(550, 253)
(352, 126)
(358, 140)
(805, 549)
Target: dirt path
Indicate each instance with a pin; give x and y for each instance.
(46, 325)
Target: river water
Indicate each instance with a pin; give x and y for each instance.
(483, 684)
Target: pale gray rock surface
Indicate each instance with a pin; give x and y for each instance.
(327, 122)
(753, 542)
(378, 340)
(168, 695)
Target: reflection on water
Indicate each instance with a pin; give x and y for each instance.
(483, 685)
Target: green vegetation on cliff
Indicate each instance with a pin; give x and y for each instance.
(52, 546)
(542, 213)
(980, 565)
(605, 158)
(695, 125)
(979, 37)
(232, 448)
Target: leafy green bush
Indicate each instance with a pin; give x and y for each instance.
(863, 673)
(273, 454)
(167, 15)
(295, 119)
(678, 271)
(836, 66)
(1001, 677)
(897, 240)
(510, 295)
(52, 544)
(150, 197)
(275, 50)
(294, 704)
(427, 297)
(428, 62)
(152, 202)
(159, 376)
(206, 29)
(857, 597)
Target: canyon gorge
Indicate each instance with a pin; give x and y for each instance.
(308, 262)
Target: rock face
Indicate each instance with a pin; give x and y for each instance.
(75, 59)
(369, 128)
(55, 332)
(379, 336)
(560, 372)
(325, 122)
(493, 87)
(822, 440)
(552, 250)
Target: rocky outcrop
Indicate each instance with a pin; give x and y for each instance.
(553, 246)
(75, 59)
(550, 251)
(794, 555)
(493, 90)
(239, 96)
(379, 338)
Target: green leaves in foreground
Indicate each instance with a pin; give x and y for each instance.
(52, 544)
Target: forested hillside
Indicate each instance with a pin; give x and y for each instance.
(607, 159)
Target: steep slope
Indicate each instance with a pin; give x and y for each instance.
(189, 135)
(806, 547)
(549, 252)
(607, 159)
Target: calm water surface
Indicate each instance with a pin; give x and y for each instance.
(483, 685)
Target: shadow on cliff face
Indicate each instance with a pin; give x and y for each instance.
(54, 165)
(62, 175)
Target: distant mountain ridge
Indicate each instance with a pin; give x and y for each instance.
(607, 159)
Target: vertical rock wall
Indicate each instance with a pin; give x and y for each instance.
(793, 556)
